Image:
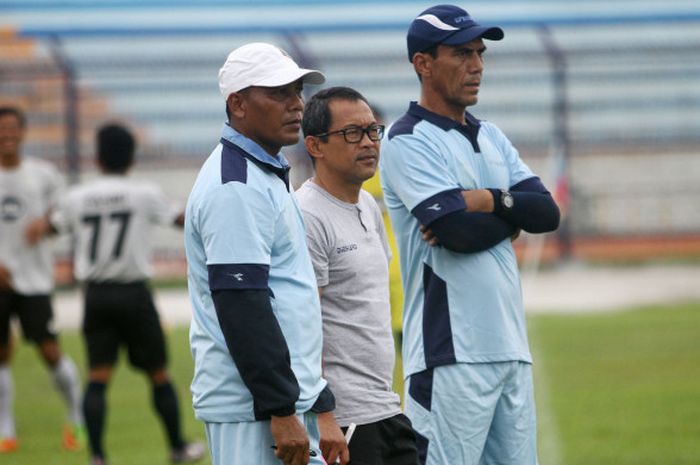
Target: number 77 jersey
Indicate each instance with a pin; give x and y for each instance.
(110, 219)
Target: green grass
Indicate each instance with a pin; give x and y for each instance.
(619, 388)
(134, 435)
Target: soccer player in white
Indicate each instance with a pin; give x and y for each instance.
(110, 219)
(28, 189)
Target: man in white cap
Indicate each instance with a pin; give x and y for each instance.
(466, 360)
(256, 333)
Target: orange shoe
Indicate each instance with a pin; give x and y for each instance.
(73, 438)
(8, 445)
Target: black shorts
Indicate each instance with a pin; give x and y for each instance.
(117, 314)
(385, 442)
(34, 313)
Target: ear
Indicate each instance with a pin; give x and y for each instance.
(423, 64)
(236, 105)
(313, 146)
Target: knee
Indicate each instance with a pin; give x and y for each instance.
(50, 352)
(5, 354)
(100, 375)
(159, 376)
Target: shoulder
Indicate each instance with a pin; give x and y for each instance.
(41, 168)
(368, 200)
(403, 126)
(311, 199)
(492, 131)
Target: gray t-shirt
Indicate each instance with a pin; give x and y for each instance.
(349, 250)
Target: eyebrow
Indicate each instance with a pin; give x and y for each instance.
(481, 49)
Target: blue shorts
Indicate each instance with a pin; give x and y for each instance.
(250, 443)
(474, 414)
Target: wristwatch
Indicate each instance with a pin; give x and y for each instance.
(506, 200)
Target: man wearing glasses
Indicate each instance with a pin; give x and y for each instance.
(350, 254)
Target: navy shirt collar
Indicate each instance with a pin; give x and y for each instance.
(253, 148)
(469, 130)
(253, 151)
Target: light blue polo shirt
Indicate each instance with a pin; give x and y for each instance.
(244, 230)
(457, 307)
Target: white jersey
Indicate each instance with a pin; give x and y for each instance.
(110, 219)
(27, 193)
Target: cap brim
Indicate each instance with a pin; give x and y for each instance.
(284, 77)
(467, 35)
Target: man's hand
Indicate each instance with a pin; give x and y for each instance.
(333, 445)
(36, 230)
(291, 440)
(428, 236)
(478, 200)
(5, 279)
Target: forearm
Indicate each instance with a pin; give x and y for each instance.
(470, 232)
(258, 348)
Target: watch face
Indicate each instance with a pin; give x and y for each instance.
(507, 200)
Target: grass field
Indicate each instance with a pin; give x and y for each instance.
(619, 388)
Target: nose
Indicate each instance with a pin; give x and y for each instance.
(296, 102)
(476, 64)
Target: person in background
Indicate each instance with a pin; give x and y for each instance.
(256, 334)
(28, 190)
(348, 246)
(467, 364)
(110, 219)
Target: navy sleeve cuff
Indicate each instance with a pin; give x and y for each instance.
(325, 401)
(439, 205)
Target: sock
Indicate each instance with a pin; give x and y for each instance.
(95, 410)
(67, 381)
(7, 398)
(165, 403)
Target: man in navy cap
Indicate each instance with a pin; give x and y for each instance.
(459, 180)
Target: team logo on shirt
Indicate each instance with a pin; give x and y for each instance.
(345, 248)
(237, 276)
(11, 208)
(435, 206)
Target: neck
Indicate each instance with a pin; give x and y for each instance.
(270, 149)
(440, 106)
(344, 191)
(9, 160)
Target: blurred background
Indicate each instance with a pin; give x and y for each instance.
(602, 98)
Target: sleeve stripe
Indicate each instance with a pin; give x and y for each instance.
(238, 276)
(439, 205)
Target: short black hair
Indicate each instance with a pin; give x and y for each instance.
(317, 113)
(17, 113)
(115, 148)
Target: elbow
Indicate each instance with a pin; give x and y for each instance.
(548, 221)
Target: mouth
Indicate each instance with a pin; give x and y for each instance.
(367, 158)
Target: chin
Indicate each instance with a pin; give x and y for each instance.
(290, 139)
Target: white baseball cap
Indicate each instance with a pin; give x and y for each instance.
(264, 65)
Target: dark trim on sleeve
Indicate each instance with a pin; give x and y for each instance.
(439, 205)
(325, 402)
(231, 276)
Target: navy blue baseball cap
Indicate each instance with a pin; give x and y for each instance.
(446, 24)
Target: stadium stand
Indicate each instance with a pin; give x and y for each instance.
(624, 145)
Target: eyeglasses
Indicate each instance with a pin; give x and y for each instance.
(354, 134)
